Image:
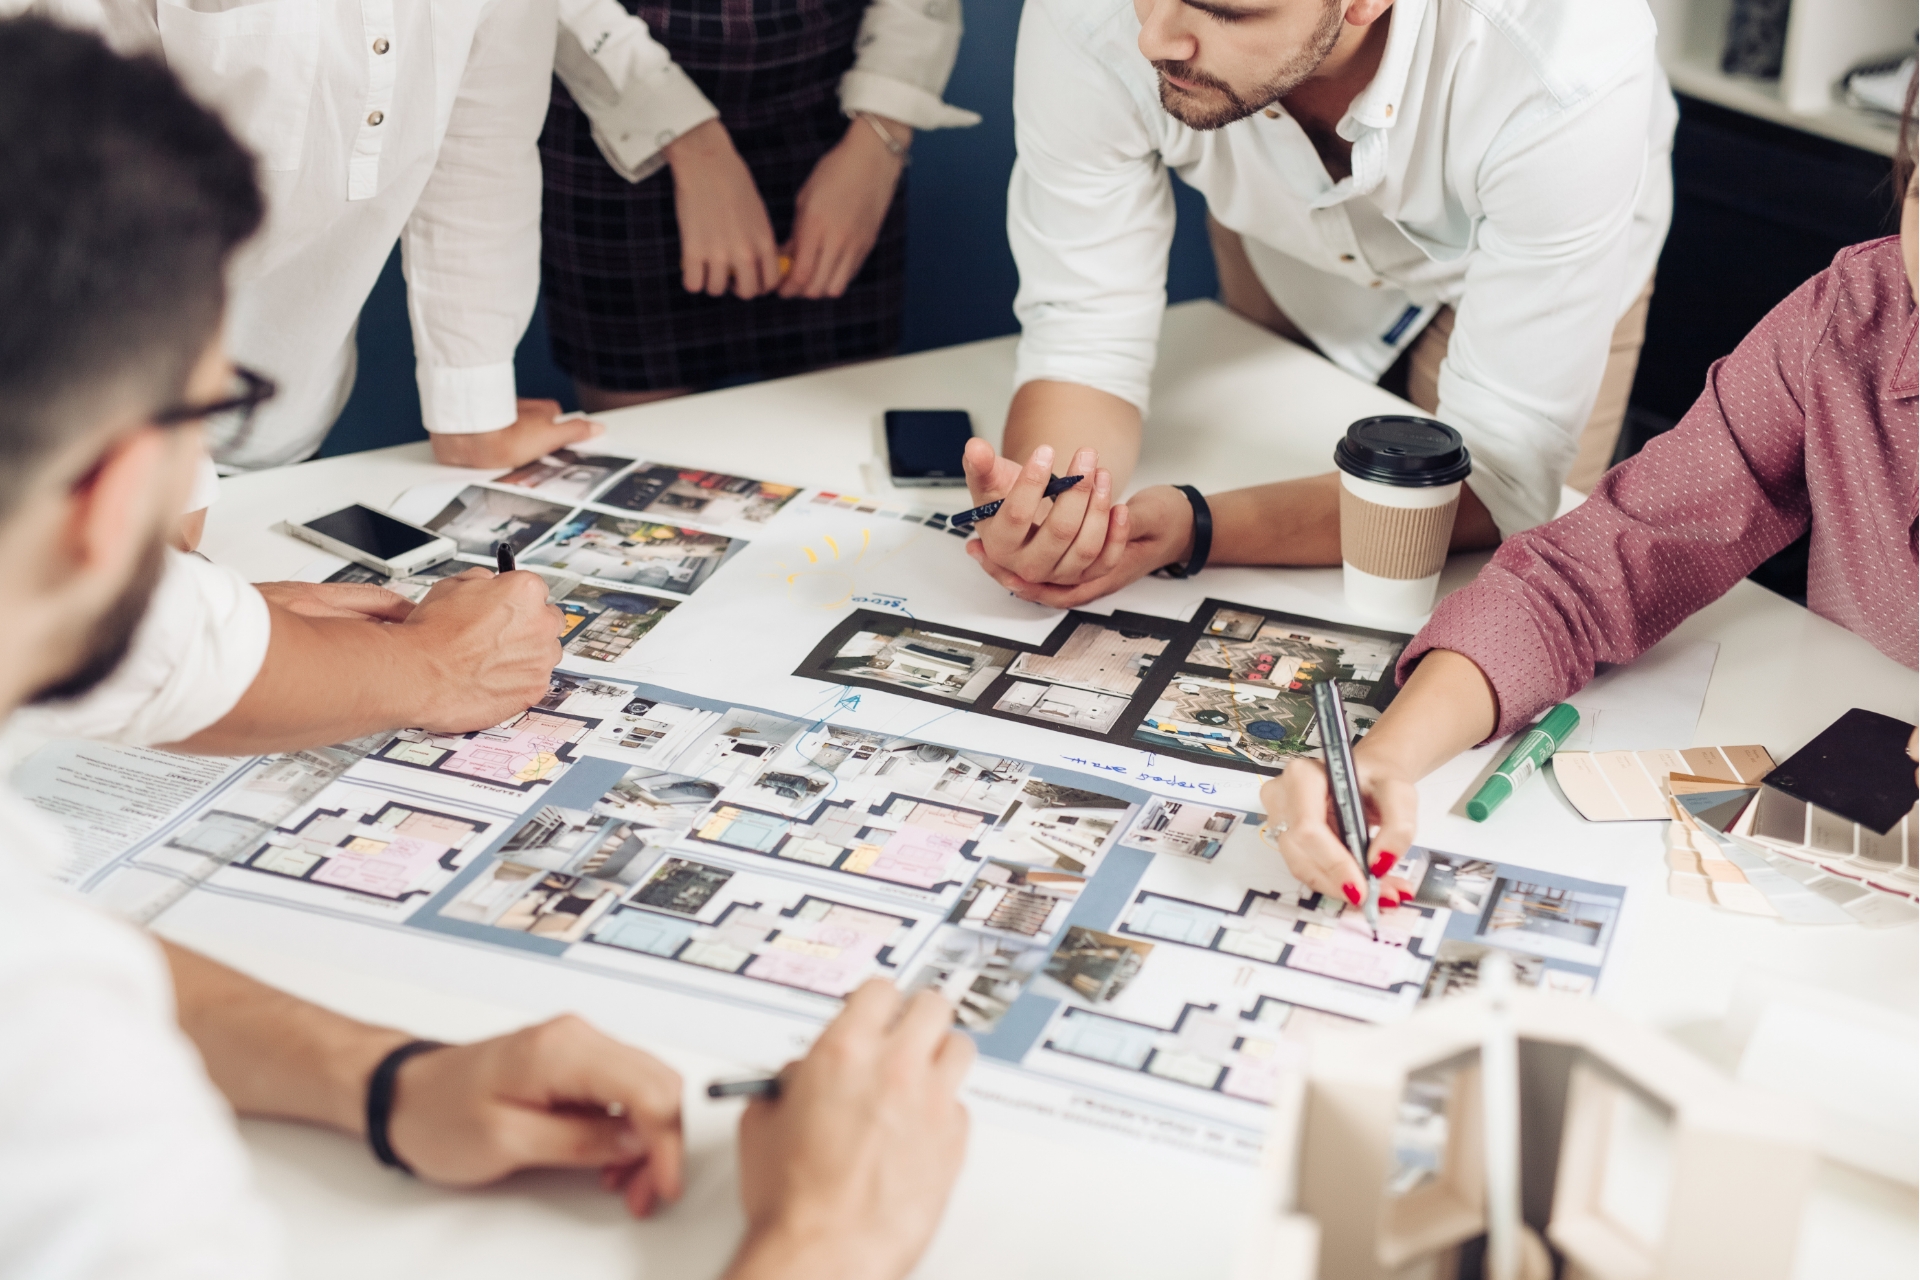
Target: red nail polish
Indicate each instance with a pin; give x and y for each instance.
(1406, 896)
(1353, 893)
(1384, 863)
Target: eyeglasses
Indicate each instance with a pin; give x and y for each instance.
(228, 421)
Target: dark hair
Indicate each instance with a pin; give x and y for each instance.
(121, 199)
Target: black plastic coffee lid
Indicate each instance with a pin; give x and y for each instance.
(1413, 453)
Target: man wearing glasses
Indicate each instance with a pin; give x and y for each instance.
(219, 666)
(121, 204)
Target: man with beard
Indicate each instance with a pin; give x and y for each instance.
(121, 205)
(1468, 198)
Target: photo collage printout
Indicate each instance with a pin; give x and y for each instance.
(1090, 932)
(1231, 688)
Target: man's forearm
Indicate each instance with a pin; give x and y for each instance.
(1297, 522)
(1069, 416)
(273, 1054)
(323, 680)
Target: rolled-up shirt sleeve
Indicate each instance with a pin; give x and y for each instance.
(199, 648)
(1545, 285)
(637, 99)
(902, 59)
(1663, 535)
(1090, 217)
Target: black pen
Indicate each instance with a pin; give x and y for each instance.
(1350, 814)
(767, 1087)
(1055, 487)
(503, 556)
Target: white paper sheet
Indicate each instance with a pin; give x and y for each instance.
(1651, 702)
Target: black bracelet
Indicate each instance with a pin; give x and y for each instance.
(380, 1100)
(1202, 536)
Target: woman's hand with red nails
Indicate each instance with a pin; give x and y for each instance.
(1300, 811)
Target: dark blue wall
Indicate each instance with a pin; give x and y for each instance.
(960, 275)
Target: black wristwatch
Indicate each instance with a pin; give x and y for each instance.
(1202, 536)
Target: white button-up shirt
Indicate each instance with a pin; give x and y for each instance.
(118, 1160)
(374, 120)
(194, 655)
(1510, 159)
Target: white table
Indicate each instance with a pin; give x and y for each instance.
(1232, 405)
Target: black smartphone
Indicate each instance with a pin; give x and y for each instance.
(924, 446)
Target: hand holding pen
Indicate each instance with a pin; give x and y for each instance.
(1301, 825)
(1043, 528)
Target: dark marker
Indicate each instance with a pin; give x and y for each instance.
(1055, 487)
(503, 556)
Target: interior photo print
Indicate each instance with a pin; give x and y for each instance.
(1242, 693)
(704, 497)
(638, 552)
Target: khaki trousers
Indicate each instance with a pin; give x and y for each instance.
(1242, 293)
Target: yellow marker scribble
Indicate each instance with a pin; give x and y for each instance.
(833, 585)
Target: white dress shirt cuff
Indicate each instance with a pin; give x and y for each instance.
(652, 110)
(465, 402)
(197, 651)
(898, 100)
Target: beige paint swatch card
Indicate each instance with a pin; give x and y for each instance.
(1630, 786)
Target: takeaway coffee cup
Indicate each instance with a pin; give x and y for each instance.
(1399, 488)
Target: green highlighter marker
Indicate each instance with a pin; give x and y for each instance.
(1535, 748)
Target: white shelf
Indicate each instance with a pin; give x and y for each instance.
(1823, 39)
(1699, 78)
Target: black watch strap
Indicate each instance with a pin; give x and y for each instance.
(380, 1087)
(1202, 536)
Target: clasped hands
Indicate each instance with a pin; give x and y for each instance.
(1064, 551)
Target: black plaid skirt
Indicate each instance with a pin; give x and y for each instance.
(619, 317)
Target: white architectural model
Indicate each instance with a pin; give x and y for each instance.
(1660, 1167)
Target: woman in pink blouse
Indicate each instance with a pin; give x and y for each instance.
(1810, 423)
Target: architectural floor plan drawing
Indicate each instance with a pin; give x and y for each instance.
(1090, 933)
(525, 752)
(356, 848)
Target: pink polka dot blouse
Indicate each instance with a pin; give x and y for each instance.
(1811, 422)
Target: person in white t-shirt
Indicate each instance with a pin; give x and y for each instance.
(1470, 197)
(122, 1059)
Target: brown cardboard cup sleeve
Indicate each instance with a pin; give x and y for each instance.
(1394, 542)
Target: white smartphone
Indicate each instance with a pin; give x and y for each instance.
(375, 539)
